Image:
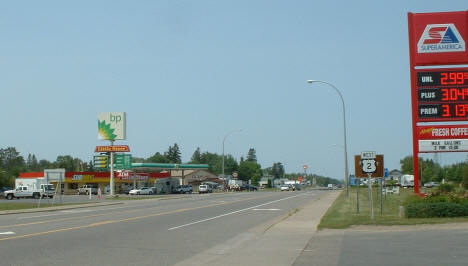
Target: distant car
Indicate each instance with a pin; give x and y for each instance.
(3, 189)
(127, 190)
(86, 189)
(431, 184)
(183, 189)
(249, 187)
(141, 191)
(284, 188)
(204, 189)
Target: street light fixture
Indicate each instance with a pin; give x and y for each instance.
(227, 135)
(344, 131)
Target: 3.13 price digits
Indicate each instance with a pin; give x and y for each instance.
(454, 110)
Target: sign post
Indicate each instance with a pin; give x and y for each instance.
(371, 200)
(111, 126)
(381, 196)
(357, 193)
(366, 165)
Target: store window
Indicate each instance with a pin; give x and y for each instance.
(73, 186)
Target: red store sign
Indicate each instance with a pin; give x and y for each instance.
(443, 132)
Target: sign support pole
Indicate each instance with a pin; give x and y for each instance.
(357, 191)
(381, 196)
(369, 184)
(112, 192)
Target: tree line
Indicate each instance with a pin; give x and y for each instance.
(432, 171)
(248, 168)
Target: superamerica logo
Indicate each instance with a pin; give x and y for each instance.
(440, 38)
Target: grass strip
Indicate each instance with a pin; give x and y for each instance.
(343, 212)
(31, 205)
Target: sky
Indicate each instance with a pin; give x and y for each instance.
(190, 72)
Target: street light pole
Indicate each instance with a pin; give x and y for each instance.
(344, 131)
(236, 130)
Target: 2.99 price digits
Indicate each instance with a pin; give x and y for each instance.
(453, 78)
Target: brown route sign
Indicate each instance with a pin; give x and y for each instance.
(379, 169)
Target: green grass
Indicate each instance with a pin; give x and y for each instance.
(343, 212)
(29, 205)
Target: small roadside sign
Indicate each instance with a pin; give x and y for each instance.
(364, 166)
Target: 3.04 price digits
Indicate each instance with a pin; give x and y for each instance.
(454, 94)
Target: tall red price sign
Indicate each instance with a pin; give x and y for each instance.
(439, 83)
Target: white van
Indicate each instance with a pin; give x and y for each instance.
(204, 189)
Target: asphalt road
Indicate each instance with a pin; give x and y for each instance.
(426, 245)
(143, 232)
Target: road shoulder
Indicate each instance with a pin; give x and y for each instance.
(278, 244)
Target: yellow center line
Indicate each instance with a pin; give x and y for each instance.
(114, 221)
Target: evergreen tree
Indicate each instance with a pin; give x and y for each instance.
(251, 155)
(90, 166)
(174, 154)
(277, 170)
(29, 162)
(34, 164)
(196, 157)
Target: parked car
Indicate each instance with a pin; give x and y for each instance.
(86, 189)
(249, 187)
(205, 189)
(141, 191)
(127, 190)
(284, 188)
(3, 189)
(183, 189)
(431, 184)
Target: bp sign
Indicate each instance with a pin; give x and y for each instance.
(112, 126)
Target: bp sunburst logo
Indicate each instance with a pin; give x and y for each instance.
(105, 131)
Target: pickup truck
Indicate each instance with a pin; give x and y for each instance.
(25, 192)
(86, 189)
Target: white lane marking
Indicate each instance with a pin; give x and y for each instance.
(266, 209)
(64, 212)
(7, 233)
(229, 213)
(76, 211)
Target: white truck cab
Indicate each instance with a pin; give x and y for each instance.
(22, 192)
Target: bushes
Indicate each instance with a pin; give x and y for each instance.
(445, 188)
(442, 202)
(436, 209)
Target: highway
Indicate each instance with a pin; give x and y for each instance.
(144, 232)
